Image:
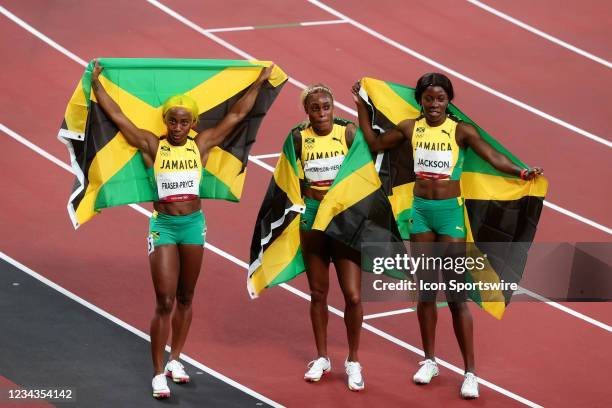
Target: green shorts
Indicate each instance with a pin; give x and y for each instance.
(167, 229)
(444, 217)
(309, 215)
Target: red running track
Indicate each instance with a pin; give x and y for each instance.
(529, 352)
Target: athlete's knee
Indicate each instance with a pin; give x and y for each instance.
(164, 306)
(352, 299)
(318, 296)
(183, 300)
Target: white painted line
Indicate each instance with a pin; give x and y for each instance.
(250, 28)
(567, 310)
(389, 313)
(132, 329)
(292, 81)
(40, 35)
(338, 313)
(451, 367)
(35, 148)
(578, 217)
(262, 164)
(230, 47)
(463, 77)
(540, 33)
(323, 22)
(266, 156)
(253, 159)
(230, 29)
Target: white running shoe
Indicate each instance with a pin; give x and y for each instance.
(316, 369)
(355, 379)
(176, 371)
(160, 387)
(469, 388)
(428, 370)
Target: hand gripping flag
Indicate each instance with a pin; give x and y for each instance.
(498, 207)
(355, 210)
(110, 172)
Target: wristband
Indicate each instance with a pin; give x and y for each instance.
(524, 174)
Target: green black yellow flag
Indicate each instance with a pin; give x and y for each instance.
(498, 207)
(355, 210)
(110, 172)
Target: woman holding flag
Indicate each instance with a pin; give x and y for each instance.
(177, 228)
(438, 142)
(321, 145)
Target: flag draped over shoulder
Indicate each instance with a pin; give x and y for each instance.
(354, 210)
(498, 207)
(110, 172)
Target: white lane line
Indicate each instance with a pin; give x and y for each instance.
(293, 81)
(266, 156)
(343, 107)
(332, 309)
(132, 329)
(250, 28)
(147, 213)
(463, 77)
(567, 310)
(323, 22)
(578, 217)
(262, 164)
(40, 35)
(389, 313)
(230, 29)
(254, 159)
(540, 33)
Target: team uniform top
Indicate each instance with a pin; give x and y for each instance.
(322, 156)
(177, 170)
(437, 156)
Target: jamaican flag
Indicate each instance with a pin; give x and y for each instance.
(110, 172)
(499, 208)
(355, 210)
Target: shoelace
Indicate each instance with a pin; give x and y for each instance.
(427, 362)
(319, 362)
(353, 367)
(471, 379)
(176, 365)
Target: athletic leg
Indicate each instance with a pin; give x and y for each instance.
(316, 257)
(426, 310)
(462, 321)
(190, 265)
(164, 261)
(347, 264)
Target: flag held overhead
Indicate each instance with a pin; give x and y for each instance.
(110, 172)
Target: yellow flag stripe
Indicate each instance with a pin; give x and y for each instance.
(107, 162)
(227, 168)
(277, 256)
(277, 76)
(388, 102)
(347, 193)
(478, 186)
(76, 113)
(402, 198)
(286, 180)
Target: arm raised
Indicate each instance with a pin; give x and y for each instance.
(388, 140)
(209, 138)
(141, 139)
